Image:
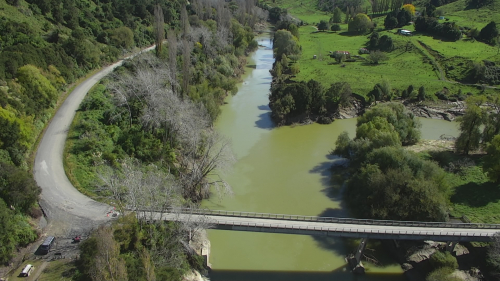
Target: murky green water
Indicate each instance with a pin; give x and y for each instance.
(284, 170)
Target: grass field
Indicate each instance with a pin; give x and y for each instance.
(419, 66)
(58, 270)
(404, 67)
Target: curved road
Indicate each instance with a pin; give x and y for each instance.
(68, 210)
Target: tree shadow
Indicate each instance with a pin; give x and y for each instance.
(349, 34)
(265, 121)
(476, 194)
(264, 107)
(328, 170)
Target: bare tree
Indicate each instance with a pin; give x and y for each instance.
(207, 156)
(107, 265)
(203, 153)
(186, 65)
(185, 22)
(159, 28)
(135, 190)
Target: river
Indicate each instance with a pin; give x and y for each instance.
(285, 170)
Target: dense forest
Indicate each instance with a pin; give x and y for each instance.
(155, 111)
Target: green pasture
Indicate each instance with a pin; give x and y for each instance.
(304, 10)
(475, 196)
(463, 16)
(406, 66)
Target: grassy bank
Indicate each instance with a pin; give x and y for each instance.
(472, 194)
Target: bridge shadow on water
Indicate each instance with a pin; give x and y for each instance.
(339, 274)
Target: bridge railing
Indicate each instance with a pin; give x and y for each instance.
(325, 219)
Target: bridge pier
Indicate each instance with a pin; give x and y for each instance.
(450, 246)
(354, 260)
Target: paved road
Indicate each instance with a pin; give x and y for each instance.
(68, 210)
(339, 229)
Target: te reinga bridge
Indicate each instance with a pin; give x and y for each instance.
(329, 226)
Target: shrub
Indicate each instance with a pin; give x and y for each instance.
(442, 274)
(323, 25)
(376, 57)
(336, 27)
(443, 259)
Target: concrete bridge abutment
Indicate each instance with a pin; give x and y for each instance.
(354, 260)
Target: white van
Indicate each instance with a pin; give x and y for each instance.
(27, 270)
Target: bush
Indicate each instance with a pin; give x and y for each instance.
(323, 25)
(443, 259)
(376, 57)
(442, 274)
(336, 27)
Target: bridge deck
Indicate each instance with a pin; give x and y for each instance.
(343, 227)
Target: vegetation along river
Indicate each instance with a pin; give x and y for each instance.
(285, 170)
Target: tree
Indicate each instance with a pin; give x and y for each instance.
(489, 33)
(107, 265)
(421, 93)
(323, 25)
(470, 122)
(493, 254)
(337, 15)
(404, 121)
(17, 187)
(7, 238)
(339, 94)
(172, 53)
(390, 22)
(360, 24)
(377, 56)
(159, 29)
(285, 43)
(336, 27)
(409, 8)
(37, 87)
(294, 30)
(385, 43)
(186, 66)
(122, 37)
(491, 164)
(389, 183)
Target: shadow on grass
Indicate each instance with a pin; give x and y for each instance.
(476, 194)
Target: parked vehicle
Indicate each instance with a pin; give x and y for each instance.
(47, 244)
(27, 270)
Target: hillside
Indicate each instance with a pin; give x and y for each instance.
(46, 45)
(442, 60)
